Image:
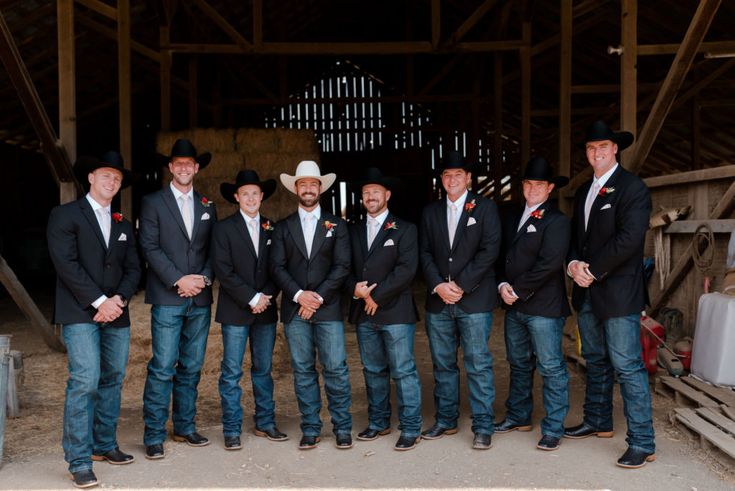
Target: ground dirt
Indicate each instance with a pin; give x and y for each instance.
(33, 458)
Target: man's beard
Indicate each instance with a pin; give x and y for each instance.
(308, 202)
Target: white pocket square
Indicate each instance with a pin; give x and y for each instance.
(205, 216)
(606, 207)
(122, 237)
(530, 228)
(329, 233)
(268, 243)
(389, 242)
(471, 221)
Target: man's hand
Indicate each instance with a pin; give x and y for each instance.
(190, 285)
(370, 306)
(305, 313)
(507, 294)
(449, 292)
(109, 310)
(310, 303)
(362, 290)
(581, 274)
(263, 303)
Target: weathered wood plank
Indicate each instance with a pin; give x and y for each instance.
(720, 172)
(713, 416)
(690, 226)
(681, 388)
(724, 396)
(706, 430)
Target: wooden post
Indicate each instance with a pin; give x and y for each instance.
(525, 56)
(124, 93)
(696, 138)
(498, 165)
(165, 72)
(67, 91)
(193, 92)
(629, 70)
(565, 98)
(435, 23)
(258, 24)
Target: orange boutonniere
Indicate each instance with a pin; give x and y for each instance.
(537, 214)
(606, 191)
(329, 225)
(205, 202)
(267, 226)
(117, 216)
(390, 226)
(468, 207)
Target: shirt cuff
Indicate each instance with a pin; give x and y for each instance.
(96, 304)
(501, 285)
(569, 267)
(296, 297)
(254, 301)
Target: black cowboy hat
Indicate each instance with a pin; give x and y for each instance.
(184, 148)
(373, 175)
(599, 131)
(454, 160)
(538, 169)
(86, 164)
(244, 177)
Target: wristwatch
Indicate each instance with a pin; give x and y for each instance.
(125, 300)
(207, 280)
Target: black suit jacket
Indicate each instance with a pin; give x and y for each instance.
(613, 245)
(242, 273)
(167, 248)
(391, 262)
(324, 272)
(470, 261)
(86, 268)
(533, 261)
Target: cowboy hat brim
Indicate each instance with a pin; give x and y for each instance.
(228, 190)
(289, 182)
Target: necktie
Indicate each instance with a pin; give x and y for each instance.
(452, 223)
(104, 218)
(372, 231)
(588, 204)
(253, 224)
(308, 232)
(186, 213)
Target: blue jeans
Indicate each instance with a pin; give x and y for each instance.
(262, 341)
(386, 352)
(531, 341)
(179, 335)
(611, 347)
(97, 355)
(447, 331)
(306, 339)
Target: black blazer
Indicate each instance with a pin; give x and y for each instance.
(324, 272)
(167, 248)
(86, 268)
(391, 262)
(533, 261)
(242, 273)
(613, 245)
(471, 260)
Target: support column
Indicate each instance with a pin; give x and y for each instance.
(565, 99)
(165, 76)
(125, 111)
(629, 70)
(67, 91)
(498, 166)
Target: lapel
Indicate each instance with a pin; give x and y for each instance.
(320, 232)
(242, 228)
(441, 219)
(199, 210)
(115, 231)
(362, 237)
(597, 203)
(297, 234)
(173, 208)
(522, 231)
(380, 236)
(92, 219)
(519, 229)
(263, 236)
(462, 222)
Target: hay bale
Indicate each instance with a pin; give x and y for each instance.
(254, 141)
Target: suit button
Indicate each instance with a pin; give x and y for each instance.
(450, 259)
(507, 261)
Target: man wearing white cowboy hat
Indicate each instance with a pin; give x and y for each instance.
(310, 260)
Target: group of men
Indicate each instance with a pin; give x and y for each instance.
(311, 257)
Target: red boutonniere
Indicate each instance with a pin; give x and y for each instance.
(390, 226)
(606, 191)
(117, 216)
(267, 226)
(537, 214)
(468, 207)
(205, 202)
(329, 225)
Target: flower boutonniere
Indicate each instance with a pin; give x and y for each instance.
(537, 214)
(390, 226)
(205, 202)
(606, 191)
(117, 217)
(329, 225)
(468, 207)
(267, 226)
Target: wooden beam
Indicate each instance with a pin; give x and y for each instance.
(125, 97)
(724, 226)
(446, 70)
(193, 92)
(258, 24)
(29, 308)
(673, 48)
(680, 66)
(498, 164)
(436, 23)
(471, 21)
(724, 171)
(525, 61)
(629, 70)
(723, 209)
(222, 23)
(67, 90)
(565, 96)
(139, 48)
(100, 7)
(165, 79)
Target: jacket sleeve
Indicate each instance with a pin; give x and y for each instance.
(483, 261)
(549, 261)
(131, 268)
(279, 264)
(61, 235)
(150, 243)
(428, 265)
(224, 268)
(402, 274)
(340, 269)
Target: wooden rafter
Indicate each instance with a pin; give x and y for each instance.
(673, 48)
(100, 7)
(222, 23)
(471, 21)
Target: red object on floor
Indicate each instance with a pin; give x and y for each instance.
(649, 343)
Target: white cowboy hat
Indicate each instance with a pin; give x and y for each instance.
(307, 168)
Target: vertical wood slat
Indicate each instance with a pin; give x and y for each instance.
(124, 94)
(565, 97)
(498, 164)
(67, 90)
(165, 78)
(629, 70)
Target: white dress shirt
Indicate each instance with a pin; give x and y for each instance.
(253, 301)
(96, 206)
(380, 219)
(526, 213)
(317, 214)
(177, 196)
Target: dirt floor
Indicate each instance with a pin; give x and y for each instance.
(33, 458)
